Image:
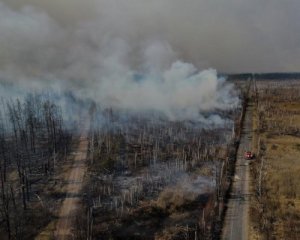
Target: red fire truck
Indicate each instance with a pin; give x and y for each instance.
(248, 155)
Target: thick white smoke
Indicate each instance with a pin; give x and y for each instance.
(97, 58)
(180, 92)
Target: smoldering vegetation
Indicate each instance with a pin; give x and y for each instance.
(152, 178)
(160, 129)
(146, 170)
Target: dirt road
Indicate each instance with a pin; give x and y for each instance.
(237, 215)
(74, 179)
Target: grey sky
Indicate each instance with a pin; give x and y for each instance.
(229, 35)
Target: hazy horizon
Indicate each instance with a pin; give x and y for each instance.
(231, 36)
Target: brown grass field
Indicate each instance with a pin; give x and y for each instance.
(275, 205)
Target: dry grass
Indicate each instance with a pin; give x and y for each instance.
(278, 208)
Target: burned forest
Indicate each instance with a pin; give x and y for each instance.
(32, 140)
(148, 173)
(149, 120)
(146, 176)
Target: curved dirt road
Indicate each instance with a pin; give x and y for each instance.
(237, 215)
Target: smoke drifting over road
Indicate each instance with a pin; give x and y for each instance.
(122, 54)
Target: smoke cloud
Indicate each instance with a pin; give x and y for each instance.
(124, 54)
(231, 35)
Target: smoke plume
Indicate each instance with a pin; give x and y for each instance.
(129, 55)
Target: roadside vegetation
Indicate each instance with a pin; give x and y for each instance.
(275, 205)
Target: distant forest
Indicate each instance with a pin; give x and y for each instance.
(263, 76)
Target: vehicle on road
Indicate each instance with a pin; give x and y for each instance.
(249, 155)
